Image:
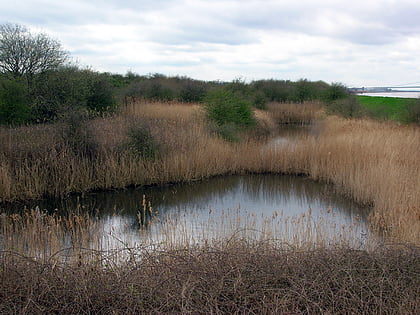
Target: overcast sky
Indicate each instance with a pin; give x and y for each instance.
(355, 42)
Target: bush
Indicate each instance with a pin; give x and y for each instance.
(141, 141)
(229, 111)
(224, 106)
(335, 92)
(304, 91)
(14, 104)
(260, 101)
(100, 97)
(347, 107)
(192, 92)
(69, 89)
(412, 112)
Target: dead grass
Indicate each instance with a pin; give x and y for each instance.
(292, 113)
(233, 277)
(374, 163)
(48, 265)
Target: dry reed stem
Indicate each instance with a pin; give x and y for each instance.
(375, 163)
(227, 278)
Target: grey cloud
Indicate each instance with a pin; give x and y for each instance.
(204, 34)
(376, 25)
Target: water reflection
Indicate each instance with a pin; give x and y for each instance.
(253, 197)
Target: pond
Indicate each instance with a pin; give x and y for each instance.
(293, 209)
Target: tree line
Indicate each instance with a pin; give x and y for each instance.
(40, 83)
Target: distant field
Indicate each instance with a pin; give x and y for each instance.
(393, 108)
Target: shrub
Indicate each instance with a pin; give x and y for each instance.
(304, 91)
(100, 97)
(348, 107)
(411, 112)
(69, 88)
(14, 104)
(335, 92)
(229, 111)
(260, 101)
(192, 91)
(224, 106)
(141, 141)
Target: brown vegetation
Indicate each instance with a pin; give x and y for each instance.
(54, 264)
(233, 277)
(292, 113)
(375, 163)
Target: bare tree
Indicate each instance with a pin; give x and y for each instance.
(25, 54)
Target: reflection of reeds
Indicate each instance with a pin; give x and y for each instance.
(38, 234)
(249, 270)
(41, 235)
(374, 163)
(305, 231)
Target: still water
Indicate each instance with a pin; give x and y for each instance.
(285, 206)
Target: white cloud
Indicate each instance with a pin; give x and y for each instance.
(357, 42)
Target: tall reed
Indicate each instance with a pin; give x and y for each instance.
(375, 163)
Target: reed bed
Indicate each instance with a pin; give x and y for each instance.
(53, 237)
(296, 114)
(233, 276)
(51, 263)
(246, 267)
(374, 163)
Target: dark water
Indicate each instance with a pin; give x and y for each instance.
(221, 204)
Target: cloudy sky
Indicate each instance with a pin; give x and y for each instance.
(356, 42)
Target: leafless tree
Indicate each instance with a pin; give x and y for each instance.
(25, 54)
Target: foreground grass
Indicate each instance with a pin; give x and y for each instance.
(230, 277)
(50, 264)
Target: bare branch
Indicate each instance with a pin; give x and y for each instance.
(22, 53)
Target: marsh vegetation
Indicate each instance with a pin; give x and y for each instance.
(70, 132)
(374, 163)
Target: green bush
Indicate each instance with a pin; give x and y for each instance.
(260, 101)
(100, 97)
(335, 91)
(230, 112)
(15, 108)
(141, 141)
(304, 91)
(68, 89)
(348, 107)
(192, 92)
(411, 112)
(224, 106)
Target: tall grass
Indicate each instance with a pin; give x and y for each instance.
(235, 274)
(297, 114)
(375, 163)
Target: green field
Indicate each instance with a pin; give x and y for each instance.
(393, 108)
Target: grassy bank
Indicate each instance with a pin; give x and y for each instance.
(390, 108)
(374, 163)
